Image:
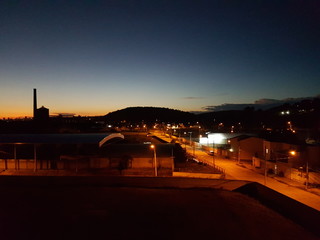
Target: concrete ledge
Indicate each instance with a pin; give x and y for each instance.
(197, 175)
(299, 213)
(120, 181)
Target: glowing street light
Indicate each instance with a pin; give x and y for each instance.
(293, 153)
(155, 159)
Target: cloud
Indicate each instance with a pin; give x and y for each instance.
(227, 107)
(64, 114)
(264, 103)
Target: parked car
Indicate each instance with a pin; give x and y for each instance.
(211, 153)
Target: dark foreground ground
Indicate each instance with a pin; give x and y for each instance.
(46, 208)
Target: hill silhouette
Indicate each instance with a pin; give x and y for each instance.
(150, 114)
(302, 114)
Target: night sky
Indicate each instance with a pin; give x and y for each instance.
(93, 57)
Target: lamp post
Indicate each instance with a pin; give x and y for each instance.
(307, 174)
(213, 160)
(293, 153)
(239, 153)
(265, 165)
(155, 159)
(265, 171)
(190, 141)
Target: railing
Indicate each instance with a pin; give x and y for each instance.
(210, 163)
(220, 169)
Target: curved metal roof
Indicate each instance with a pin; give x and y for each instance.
(88, 138)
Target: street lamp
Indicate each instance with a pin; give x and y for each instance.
(192, 144)
(239, 153)
(213, 160)
(185, 142)
(155, 159)
(293, 153)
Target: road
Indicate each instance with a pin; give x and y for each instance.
(235, 171)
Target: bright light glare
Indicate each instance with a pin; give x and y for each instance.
(203, 140)
(214, 138)
(293, 153)
(217, 138)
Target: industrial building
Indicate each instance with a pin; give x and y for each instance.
(39, 114)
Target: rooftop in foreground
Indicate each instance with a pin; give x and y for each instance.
(136, 208)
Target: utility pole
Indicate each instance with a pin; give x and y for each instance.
(239, 155)
(307, 175)
(155, 160)
(194, 146)
(213, 160)
(190, 141)
(265, 171)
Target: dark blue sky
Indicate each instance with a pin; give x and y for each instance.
(92, 57)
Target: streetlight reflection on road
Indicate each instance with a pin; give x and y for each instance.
(155, 159)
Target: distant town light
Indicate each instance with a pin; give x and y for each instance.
(293, 153)
(285, 112)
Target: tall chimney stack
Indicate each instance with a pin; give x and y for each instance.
(34, 102)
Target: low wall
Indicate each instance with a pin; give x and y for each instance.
(314, 177)
(299, 213)
(197, 175)
(287, 170)
(139, 166)
(23, 164)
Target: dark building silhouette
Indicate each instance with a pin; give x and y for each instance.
(42, 114)
(39, 114)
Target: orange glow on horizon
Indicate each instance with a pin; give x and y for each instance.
(13, 112)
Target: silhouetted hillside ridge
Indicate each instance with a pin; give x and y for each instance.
(304, 114)
(150, 114)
